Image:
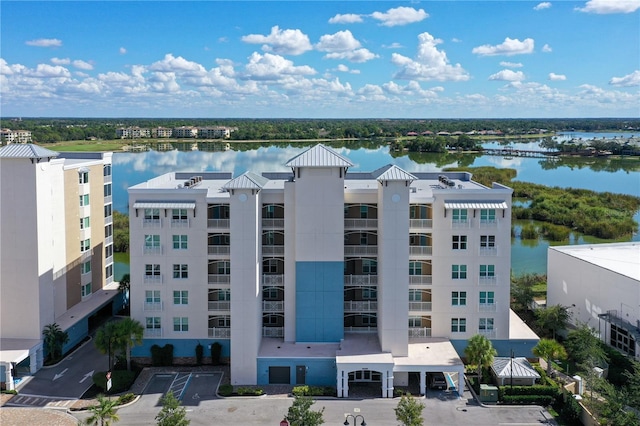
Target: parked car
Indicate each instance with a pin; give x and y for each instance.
(438, 381)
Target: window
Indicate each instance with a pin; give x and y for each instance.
(107, 190)
(152, 296)
(219, 240)
(108, 210)
(369, 293)
(224, 268)
(179, 242)
(270, 320)
(224, 295)
(108, 271)
(106, 171)
(152, 270)
(487, 297)
(364, 212)
(269, 211)
(108, 251)
(224, 322)
(459, 215)
(85, 268)
(152, 241)
(108, 231)
(369, 267)
(458, 298)
(152, 323)
(180, 297)
(84, 200)
(487, 215)
(86, 290)
(180, 271)
(364, 239)
(180, 324)
(270, 293)
(415, 322)
(371, 320)
(219, 211)
(485, 324)
(415, 295)
(179, 214)
(487, 241)
(269, 266)
(417, 212)
(415, 268)
(85, 222)
(458, 325)
(83, 177)
(85, 245)
(459, 242)
(151, 214)
(418, 240)
(487, 271)
(269, 238)
(459, 272)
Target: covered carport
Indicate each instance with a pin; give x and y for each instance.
(15, 351)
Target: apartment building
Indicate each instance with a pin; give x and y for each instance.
(323, 276)
(56, 250)
(185, 132)
(133, 132)
(8, 136)
(216, 132)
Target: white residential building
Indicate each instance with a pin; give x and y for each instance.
(133, 132)
(56, 249)
(324, 276)
(185, 132)
(8, 136)
(216, 132)
(600, 285)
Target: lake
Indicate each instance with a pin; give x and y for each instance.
(598, 174)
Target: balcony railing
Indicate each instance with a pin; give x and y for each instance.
(219, 279)
(152, 249)
(272, 331)
(361, 306)
(273, 306)
(108, 199)
(108, 240)
(360, 280)
(220, 332)
(420, 250)
(488, 251)
(420, 223)
(179, 223)
(360, 250)
(420, 306)
(272, 250)
(360, 223)
(153, 279)
(152, 306)
(273, 223)
(419, 332)
(108, 260)
(489, 334)
(153, 332)
(273, 280)
(218, 223)
(219, 305)
(487, 307)
(486, 223)
(487, 280)
(151, 223)
(218, 249)
(363, 329)
(460, 223)
(420, 279)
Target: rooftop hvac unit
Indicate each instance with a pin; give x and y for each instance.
(187, 183)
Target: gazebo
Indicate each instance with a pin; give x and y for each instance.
(515, 371)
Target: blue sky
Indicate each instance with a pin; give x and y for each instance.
(320, 59)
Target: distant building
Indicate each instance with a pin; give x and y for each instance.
(162, 132)
(217, 132)
(132, 132)
(600, 285)
(56, 249)
(8, 136)
(185, 132)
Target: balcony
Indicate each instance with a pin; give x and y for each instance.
(420, 223)
(153, 332)
(420, 306)
(219, 305)
(108, 240)
(108, 199)
(487, 307)
(419, 332)
(220, 332)
(350, 223)
(360, 250)
(152, 306)
(219, 279)
(272, 331)
(179, 223)
(488, 251)
(152, 250)
(487, 223)
(272, 223)
(360, 280)
(361, 306)
(218, 249)
(364, 329)
(460, 223)
(218, 223)
(153, 279)
(108, 260)
(273, 280)
(151, 223)
(420, 250)
(420, 279)
(487, 281)
(488, 333)
(272, 306)
(270, 250)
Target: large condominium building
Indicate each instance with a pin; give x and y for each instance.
(56, 249)
(321, 276)
(8, 136)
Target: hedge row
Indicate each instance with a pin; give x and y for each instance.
(543, 400)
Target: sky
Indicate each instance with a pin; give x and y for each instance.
(320, 59)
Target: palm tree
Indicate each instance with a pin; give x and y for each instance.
(54, 340)
(549, 349)
(130, 334)
(104, 413)
(106, 339)
(480, 352)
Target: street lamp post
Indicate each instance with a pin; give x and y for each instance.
(355, 420)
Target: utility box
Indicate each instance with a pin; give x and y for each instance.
(488, 393)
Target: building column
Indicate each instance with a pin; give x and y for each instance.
(423, 383)
(387, 391)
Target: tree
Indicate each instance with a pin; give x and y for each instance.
(633, 384)
(553, 318)
(582, 345)
(124, 287)
(409, 411)
(105, 340)
(129, 333)
(480, 352)
(549, 349)
(522, 290)
(172, 413)
(54, 340)
(300, 413)
(103, 413)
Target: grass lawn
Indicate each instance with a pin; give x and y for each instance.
(86, 146)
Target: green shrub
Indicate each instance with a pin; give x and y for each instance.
(199, 353)
(300, 390)
(126, 398)
(216, 352)
(244, 391)
(543, 400)
(569, 409)
(10, 391)
(225, 390)
(121, 380)
(530, 390)
(529, 232)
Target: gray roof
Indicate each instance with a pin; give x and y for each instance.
(514, 367)
(26, 150)
(471, 204)
(392, 173)
(248, 180)
(319, 156)
(189, 205)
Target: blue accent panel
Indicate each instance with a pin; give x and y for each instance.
(77, 332)
(520, 347)
(320, 371)
(181, 347)
(319, 301)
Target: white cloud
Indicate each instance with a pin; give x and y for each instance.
(509, 47)
(430, 63)
(507, 75)
(628, 80)
(348, 18)
(344, 68)
(456, 40)
(48, 71)
(80, 64)
(122, 51)
(546, 48)
(511, 64)
(400, 16)
(413, 88)
(44, 42)
(610, 6)
(172, 64)
(557, 77)
(339, 42)
(282, 42)
(357, 56)
(60, 61)
(394, 45)
(273, 67)
(543, 5)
